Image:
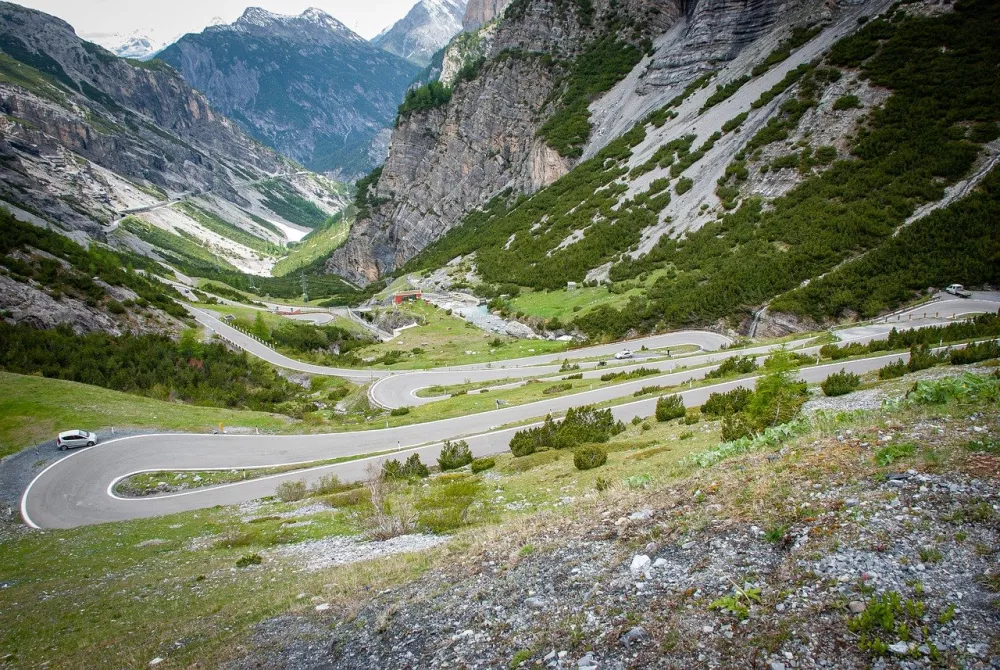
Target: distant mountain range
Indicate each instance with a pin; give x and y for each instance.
(306, 85)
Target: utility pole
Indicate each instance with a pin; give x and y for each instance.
(305, 287)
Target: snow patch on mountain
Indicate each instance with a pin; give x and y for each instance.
(426, 28)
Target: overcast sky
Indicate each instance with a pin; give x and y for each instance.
(166, 19)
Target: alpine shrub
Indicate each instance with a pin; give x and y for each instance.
(413, 467)
(481, 464)
(669, 407)
(922, 358)
(582, 425)
(974, 353)
(291, 491)
(841, 383)
(454, 455)
(730, 402)
(589, 457)
(738, 365)
(893, 370)
(248, 560)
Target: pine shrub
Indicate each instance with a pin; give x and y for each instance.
(669, 407)
(589, 457)
(454, 455)
(841, 383)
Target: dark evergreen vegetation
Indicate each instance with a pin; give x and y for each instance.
(582, 425)
(20, 242)
(150, 365)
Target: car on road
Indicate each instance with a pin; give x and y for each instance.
(71, 439)
(623, 354)
(959, 290)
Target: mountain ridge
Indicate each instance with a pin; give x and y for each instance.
(301, 84)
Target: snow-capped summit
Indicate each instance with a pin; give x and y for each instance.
(313, 20)
(137, 44)
(428, 26)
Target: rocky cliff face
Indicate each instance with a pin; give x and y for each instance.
(445, 161)
(305, 85)
(481, 12)
(427, 27)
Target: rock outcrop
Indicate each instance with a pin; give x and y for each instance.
(481, 12)
(426, 28)
(306, 85)
(28, 303)
(444, 162)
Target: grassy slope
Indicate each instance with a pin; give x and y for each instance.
(116, 594)
(318, 244)
(563, 304)
(34, 409)
(445, 339)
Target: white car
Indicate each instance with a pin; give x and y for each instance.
(623, 354)
(75, 438)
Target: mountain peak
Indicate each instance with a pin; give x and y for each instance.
(258, 16)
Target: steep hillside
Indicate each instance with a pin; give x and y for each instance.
(305, 85)
(427, 27)
(47, 280)
(481, 12)
(93, 143)
(718, 177)
(512, 121)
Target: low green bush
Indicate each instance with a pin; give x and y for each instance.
(670, 407)
(847, 102)
(290, 491)
(975, 353)
(399, 411)
(582, 425)
(412, 468)
(454, 455)
(482, 464)
(730, 402)
(326, 485)
(840, 383)
(589, 457)
(893, 370)
(248, 560)
(922, 358)
(737, 365)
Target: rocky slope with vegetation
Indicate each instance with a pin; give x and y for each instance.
(863, 532)
(125, 153)
(783, 163)
(83, 129)
(456, 145)
(306, 85)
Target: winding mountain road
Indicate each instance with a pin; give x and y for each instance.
(78, 489)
